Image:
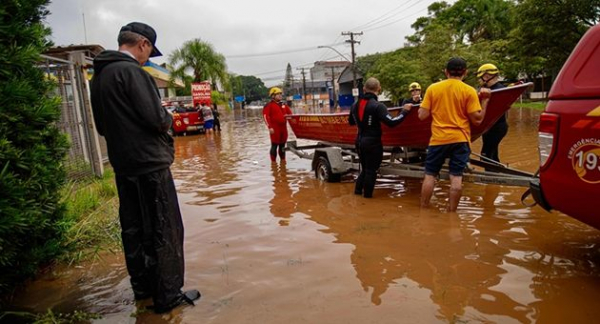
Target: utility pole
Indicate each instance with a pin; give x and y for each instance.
(84, 29)
(333, 88)
(303, 84)
(352, 42)
(312, 90)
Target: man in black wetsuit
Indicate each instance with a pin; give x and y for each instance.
(487, 76)
(368, 114)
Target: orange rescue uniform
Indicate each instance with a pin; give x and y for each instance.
(274, 116)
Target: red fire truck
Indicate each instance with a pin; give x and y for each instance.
(569, 136)
(190, 120)
(186, 121)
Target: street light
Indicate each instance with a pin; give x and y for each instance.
(335, 101)
(330, 47)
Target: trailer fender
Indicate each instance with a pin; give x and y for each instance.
(334, 157)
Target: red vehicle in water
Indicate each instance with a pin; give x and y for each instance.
(569, 136)
(185, 120)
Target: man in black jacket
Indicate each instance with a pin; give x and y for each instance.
(488, 77)
(368, 114)
(128, 113)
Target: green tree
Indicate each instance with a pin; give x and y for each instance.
(187, 89)
(218, 97)
(476, 20)
(477, 30)
(396, 70)
(249, 86)
(422, 23)
(534, 37)
(202, 60)
(547, 31)
(470, 20)
(366, 63)
(438, 46)
(32, 148)
(289, 79)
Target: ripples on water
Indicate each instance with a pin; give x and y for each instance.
(270, 244)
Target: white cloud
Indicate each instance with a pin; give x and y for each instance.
(244, 27)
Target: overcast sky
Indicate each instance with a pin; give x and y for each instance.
(245, 31)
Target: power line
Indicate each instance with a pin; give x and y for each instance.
(279, 77)
(299, 65)
(395, 21)
(379, 19)
(304, 49)
(334, 42)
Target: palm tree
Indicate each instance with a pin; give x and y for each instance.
(204, 62)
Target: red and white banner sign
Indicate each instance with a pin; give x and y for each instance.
(201, 92)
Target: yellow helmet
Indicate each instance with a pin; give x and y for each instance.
(274, 91)
(487, 68)
(414, 86)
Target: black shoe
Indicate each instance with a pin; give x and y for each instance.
(187, 297)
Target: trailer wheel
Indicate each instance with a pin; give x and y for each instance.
(323, 171)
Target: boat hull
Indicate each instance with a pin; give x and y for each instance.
(334, 128)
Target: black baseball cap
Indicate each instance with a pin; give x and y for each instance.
(146, 31)
(457, 64)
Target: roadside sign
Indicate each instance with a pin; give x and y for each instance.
(201, 92)
(239, 98)
(355, 92)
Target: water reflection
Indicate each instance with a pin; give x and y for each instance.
(281, 205)
(477, 264)
(270, 244)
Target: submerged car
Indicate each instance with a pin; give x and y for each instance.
(569, 136)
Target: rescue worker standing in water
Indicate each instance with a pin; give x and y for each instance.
(274, 115)
(368, 114)
(453, 106)
(487, 75)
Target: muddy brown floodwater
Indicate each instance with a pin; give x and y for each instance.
(270, 244)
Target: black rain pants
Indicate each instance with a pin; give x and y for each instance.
(491, 140)
(152, 234)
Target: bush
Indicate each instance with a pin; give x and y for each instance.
(32, 148)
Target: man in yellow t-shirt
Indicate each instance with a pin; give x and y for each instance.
(453, 106)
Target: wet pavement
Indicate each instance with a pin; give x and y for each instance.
(270, 244)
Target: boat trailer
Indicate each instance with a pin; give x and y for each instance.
(330, 161)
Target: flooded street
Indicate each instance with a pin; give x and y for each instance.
(271, 244)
